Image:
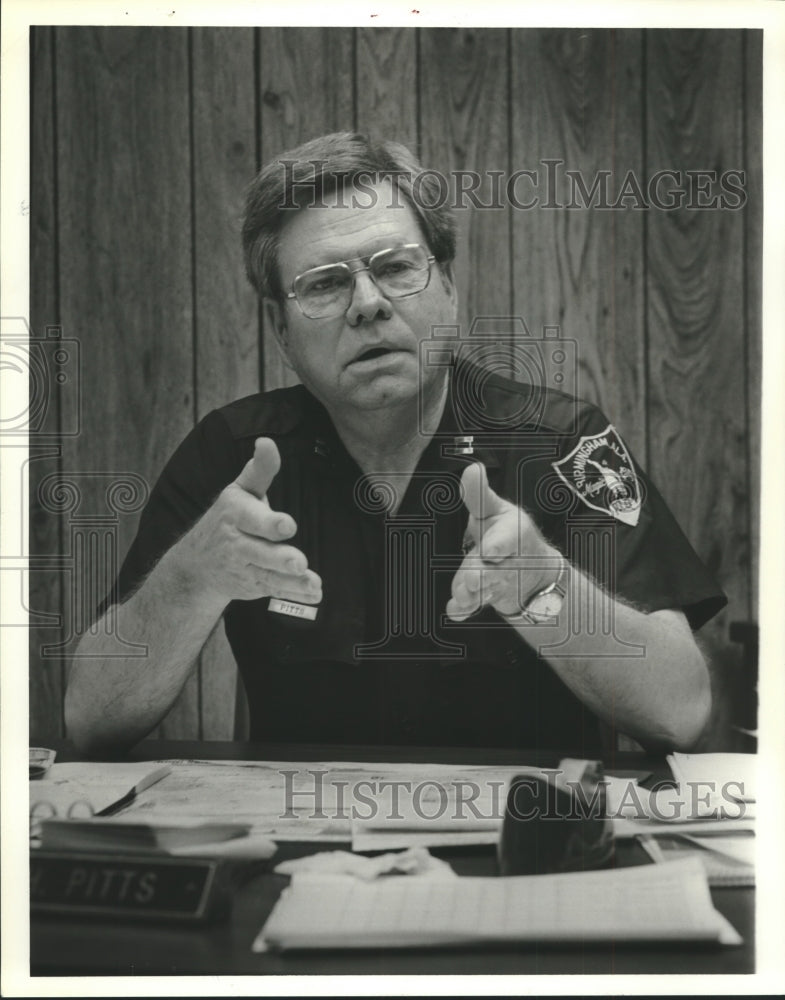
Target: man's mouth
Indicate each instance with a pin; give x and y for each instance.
(373, 353)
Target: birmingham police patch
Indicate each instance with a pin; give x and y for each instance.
(600, 471)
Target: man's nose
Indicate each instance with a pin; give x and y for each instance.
(368, 301)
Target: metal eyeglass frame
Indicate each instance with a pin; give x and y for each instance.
(353, 272)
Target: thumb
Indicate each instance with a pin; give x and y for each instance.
(260, 471)
(478, 496)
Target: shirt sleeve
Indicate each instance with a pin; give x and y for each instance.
(658, 568)
(205, 462)
(644, 556)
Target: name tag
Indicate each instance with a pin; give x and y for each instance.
(123, 886)
(290, 608)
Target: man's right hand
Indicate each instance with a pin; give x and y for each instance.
(238, 550)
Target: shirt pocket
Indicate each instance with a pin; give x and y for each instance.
(330, 637)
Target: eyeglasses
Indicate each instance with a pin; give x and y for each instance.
(325, 292)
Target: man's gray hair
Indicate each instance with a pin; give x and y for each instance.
(302, 176)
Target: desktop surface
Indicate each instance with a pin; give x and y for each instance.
(71, 946)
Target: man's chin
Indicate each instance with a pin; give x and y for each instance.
(395, 389)
(384, 390)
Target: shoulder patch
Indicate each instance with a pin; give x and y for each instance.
(599, 471)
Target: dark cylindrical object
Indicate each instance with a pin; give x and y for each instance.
(551, 828)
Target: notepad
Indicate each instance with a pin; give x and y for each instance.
(645, 903)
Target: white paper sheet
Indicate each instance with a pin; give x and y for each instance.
(645, 903)
(479, 825)
(316, 801)
(731, 775)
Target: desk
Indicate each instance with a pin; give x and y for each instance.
(82, 947)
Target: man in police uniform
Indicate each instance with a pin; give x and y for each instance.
(402, 552)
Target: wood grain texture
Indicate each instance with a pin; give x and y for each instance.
(463, 124)
(753, 258)
(307, 90)
(387, 84)
(226, 317)
(46, 679)
(125, 245)
(224, 155)
(576, 100)
(696, 303)
(696, 325)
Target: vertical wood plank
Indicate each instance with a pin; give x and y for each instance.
(576, 101)
(697, 418)
(226, 316)
(463, 123)
(45, 528)
(387, 84)
(753, 257)
(307, 89)
(224, 159)
(125, 247)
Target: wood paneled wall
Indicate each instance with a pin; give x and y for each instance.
(143, 140)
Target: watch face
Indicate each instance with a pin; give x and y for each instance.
(546, 605)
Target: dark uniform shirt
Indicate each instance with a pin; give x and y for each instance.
(381, 663)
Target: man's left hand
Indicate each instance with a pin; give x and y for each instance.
(508, 560)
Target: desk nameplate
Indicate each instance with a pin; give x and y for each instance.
(127, 886)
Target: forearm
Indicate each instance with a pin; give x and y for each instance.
(235, 551)
(642, 673)
(112, 702)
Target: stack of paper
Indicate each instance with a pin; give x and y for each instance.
(455, 818)
(645, 903)
(320, 801)
(715, 794)
(727, 860)
(731, 776)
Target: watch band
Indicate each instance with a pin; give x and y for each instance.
(529, 615)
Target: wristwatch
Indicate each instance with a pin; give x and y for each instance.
(543, 608)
